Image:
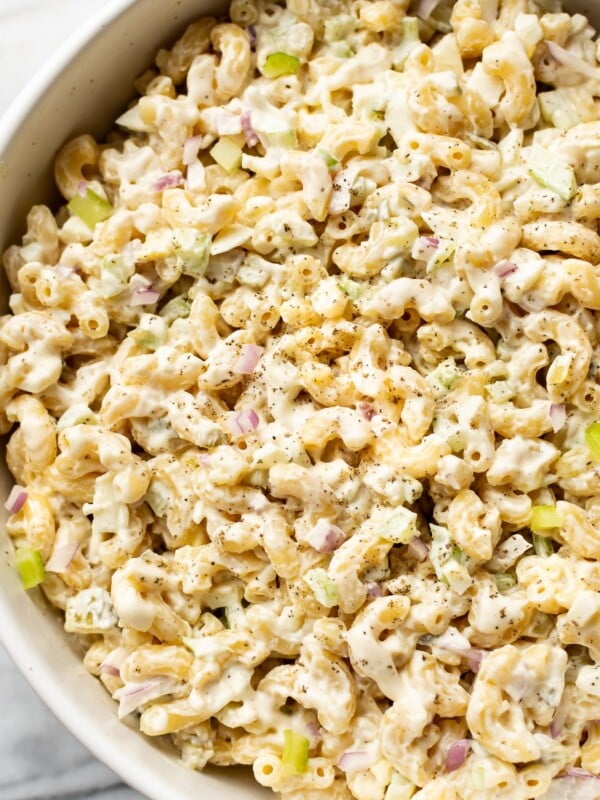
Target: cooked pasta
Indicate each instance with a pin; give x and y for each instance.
(301, 394)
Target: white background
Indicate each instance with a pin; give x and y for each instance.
(39, 760)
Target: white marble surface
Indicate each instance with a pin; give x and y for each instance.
(39, 760)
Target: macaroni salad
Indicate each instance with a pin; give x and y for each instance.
(301, 387)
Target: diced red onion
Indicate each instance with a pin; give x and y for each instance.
(248, 360)
(228, 124)
(558, 721)
(108, 669)
(472, 656)
(61, 557)
(367, 411)
(572, 61)
(133, 695)
(16, 499)
(114, 661)
(244, 422)
(191, 147)
(373, 589)
(82, 188)
(457, 753)
(504, 268)
(578, 772)
(145, 297)
(313, 733)
(249, 132)
(558, 416)
(418, 548)
(355, 761)
(196, 177)
(168, 181)
(574, 787)
(425, 247)
(425, 8)
(325, 537)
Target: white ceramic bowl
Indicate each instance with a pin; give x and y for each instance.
(83, 88)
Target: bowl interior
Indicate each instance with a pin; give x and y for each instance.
(82, 89)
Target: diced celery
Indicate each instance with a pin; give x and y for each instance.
(543, 545)
(444, 378)
(557, 111)
(331, 162)
(145, 338)
(294, 757)
(544, 517)
(550, 171)
(592, 439)
(478, 777)
(193, 251)
(91, 208)
(284, 139)
(444, 253)
(176, 308)
(338, 27)
(114, 275)
(30, 566)
(504, 581)
(341, 50)
(410, 40)
(500, 391)
(157, 498)
(227, 154)
(351, 288)
(278, 64)
(323, 587)
(397, 525)
(448, 560)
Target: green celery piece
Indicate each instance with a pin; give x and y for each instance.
(323, 587)
(278, 64)
(91, 208)
(592, 439)
(351, 288)
(544, 517)
(227, 154)
(504, 581)
(331, 162)
(410, 40)
(176, 308)
(543, 545)
(193, 251)
(30, 566)
(294, 757)
(550, 171)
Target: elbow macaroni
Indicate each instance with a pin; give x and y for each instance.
(296, 384)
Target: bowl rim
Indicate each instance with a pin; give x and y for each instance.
(48, 686)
